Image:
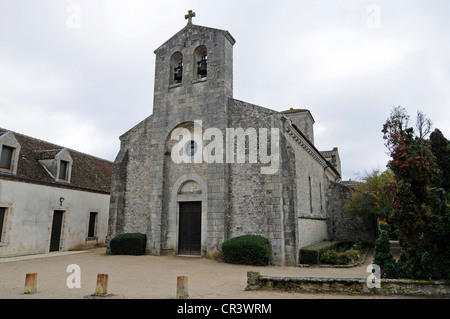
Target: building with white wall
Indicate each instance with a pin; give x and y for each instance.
(51, 198)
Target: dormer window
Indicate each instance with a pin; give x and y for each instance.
(57, 163)
(6, 157)
(63, 167)
(9, 153)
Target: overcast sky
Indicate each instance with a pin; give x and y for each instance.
(80, 73)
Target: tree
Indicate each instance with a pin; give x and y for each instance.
(382, 256)
(373, 196)
(423, 231)
(395, 126)
(440, 147)
(423, 125)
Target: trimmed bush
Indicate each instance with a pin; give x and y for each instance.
(333, 257)
(329, 257)
(247, 250)
(128, 244)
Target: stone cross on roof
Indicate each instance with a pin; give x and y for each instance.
(189, 16)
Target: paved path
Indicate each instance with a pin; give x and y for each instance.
(153, 277)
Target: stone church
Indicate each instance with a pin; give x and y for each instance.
(191, 207)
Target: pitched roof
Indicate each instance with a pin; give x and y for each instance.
(88, 172)
(293, 111)
(327, 154)
(183, 33)
(321, 154)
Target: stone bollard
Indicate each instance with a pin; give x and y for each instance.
(102, 285)
(30, 283)
(182, 287)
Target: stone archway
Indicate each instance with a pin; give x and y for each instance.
(188, 213)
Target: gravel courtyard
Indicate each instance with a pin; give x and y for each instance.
(154, 277)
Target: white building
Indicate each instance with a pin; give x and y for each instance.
(51, 198)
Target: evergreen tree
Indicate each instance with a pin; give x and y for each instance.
(440, 147)
(382, 256)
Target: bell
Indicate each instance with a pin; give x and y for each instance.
(202, 66)
(178, 76)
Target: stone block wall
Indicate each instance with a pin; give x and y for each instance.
(344, 227)
(261, 204)
(311, 231)
(255, 281)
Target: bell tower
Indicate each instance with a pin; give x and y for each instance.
(194, 70)
(193, 82)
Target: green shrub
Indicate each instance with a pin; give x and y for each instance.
(382, 256)
(329, 257)
(391, 230)
(246, 250)
(128, 244)
(333, 257)
(353, 254)
(311, 254)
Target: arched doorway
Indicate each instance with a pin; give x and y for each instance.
(190, 204)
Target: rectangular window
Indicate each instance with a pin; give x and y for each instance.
(6, 157)
(310, 195)
(321, 200)
(2, 221)
(92, 223)
(63, 170)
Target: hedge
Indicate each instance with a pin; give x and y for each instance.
(247, 250)
(128, 244)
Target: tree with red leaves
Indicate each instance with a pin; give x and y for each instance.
(424, 227)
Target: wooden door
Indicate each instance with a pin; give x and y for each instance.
(189, 236)
(55, 238)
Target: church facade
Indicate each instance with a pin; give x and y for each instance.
(205, 167)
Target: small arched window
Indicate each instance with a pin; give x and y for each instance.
(200, 62)
(176, 68)
(191, 148)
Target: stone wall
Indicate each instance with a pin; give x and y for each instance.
(309, 186)
(311, 231)
(262, 204)
(344, 227)
(255, 281)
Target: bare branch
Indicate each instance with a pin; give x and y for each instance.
(423, 125)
